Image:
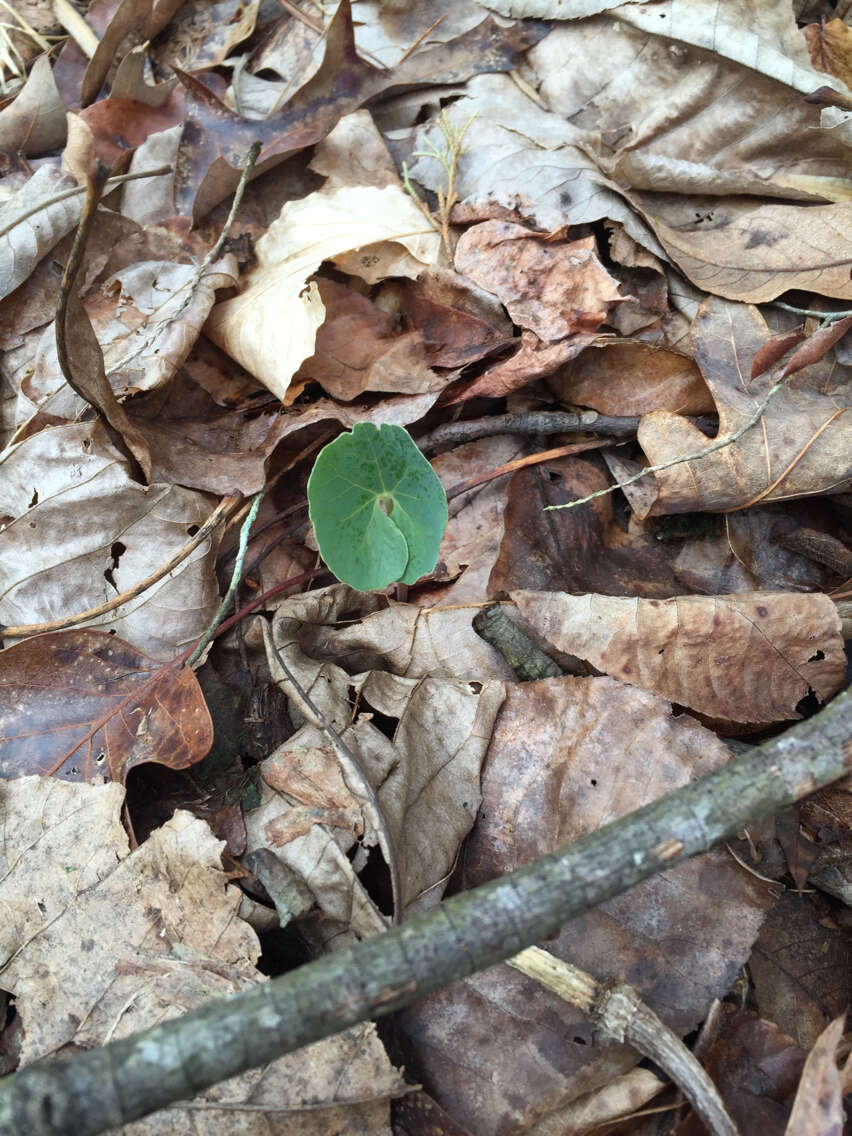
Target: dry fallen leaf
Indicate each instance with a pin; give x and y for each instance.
(81, 704)
(420, 736)
(497, 1050)
(357, 349)
(98, 944)
(801, 445)
(32, 222)
(818, 1107)
(80, 530)
(34, 123)
(271, 326)
(552, 288)
(741, 658)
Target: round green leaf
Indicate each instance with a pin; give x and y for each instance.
(377, 507)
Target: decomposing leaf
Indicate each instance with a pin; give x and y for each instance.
(801, 445)
(357, 349)
(567, 756)
(830, 47)
(552, 288)
(270, 328)
(83, 703)
(419, 732)
(534, 359)
(127, 940)
(800, 997)
(377, 507)
(204, 35)
(818, 1107)
(756, 1068)
(82, 531)
(741, 658)
(32, 222)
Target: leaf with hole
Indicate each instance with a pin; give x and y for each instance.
(377, 507)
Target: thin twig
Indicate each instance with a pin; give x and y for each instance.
(76, 191)
(830, 317)
(719, 445)
(619, 1015)
(414, 46)
(232, 587)
(193, 282)
(353, 773)
(528, 422)
(221, 513)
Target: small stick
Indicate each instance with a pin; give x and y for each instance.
(719, 445)
(619, 1015)
(235, 579)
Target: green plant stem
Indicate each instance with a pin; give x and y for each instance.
(234, 584)
(105, 1088)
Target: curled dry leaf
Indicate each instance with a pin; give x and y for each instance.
(26, 235)
(566, 757)
(99, 943)
(357, 349)
(801, 445)
(35, 122)
(81, 531)
(741, 658)
(79, 704)
(534, 359)
(419, 732)
(818, 1107)
(830, 47)
(270, 328)
(552, 288)
(627, 378)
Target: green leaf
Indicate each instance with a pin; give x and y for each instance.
(377, 507)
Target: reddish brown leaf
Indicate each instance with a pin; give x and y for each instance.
(814, 349)
(774, 349)
(83, 703)
(120, 125)
(535, 359)
(453, 337)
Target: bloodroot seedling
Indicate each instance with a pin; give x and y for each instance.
(377, 507)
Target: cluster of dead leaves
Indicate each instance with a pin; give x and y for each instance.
(620, 231)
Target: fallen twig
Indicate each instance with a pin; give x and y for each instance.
(619, 1015)
(103, 1088)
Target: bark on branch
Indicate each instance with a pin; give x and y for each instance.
(128, 1079)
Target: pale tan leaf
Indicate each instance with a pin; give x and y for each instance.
(82, 530)
(425, 768)
(752, 251)
(818, 1107)
(35, 122)
(271, 326)
(100, 943)
(745, 658)
(830, 47)
(801, 445)
(24, 242)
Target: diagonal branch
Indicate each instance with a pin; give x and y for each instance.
(105, 1088)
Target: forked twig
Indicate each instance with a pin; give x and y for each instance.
(718, 445)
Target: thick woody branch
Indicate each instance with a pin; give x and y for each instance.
(130, 1078)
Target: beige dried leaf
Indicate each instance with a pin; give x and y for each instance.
(24, 242)
(802, 444)
(82, 530)
(746, 658)
(270, 328)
